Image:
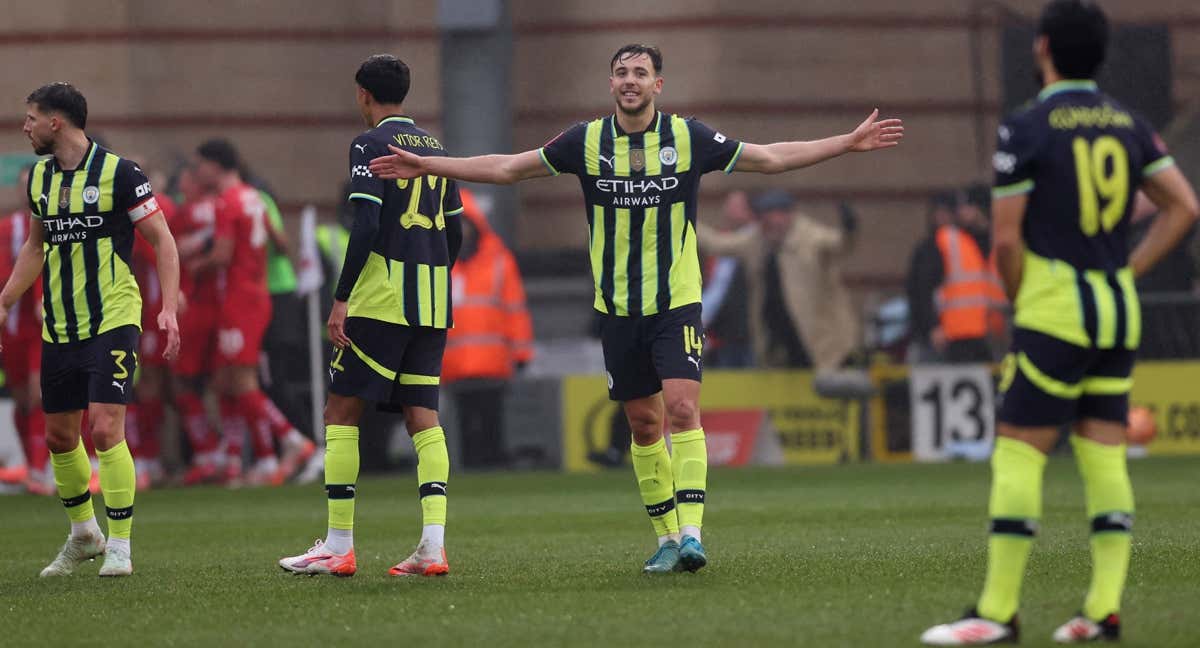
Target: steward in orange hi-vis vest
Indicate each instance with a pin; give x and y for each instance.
(971, 299)
(492, 331)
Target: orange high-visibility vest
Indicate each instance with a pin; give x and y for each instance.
(492, 328)
(971, 295)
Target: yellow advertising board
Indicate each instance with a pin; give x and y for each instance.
(1171, 391)
(737, 408)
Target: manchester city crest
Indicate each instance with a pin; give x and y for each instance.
(637, 159)
(668, 155)
(91, 195)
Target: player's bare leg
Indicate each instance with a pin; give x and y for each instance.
(656, 483)
(72, 473)
(1015, 507)
(1100, 454)
(689, 465)
(433, 471)
(335, 554)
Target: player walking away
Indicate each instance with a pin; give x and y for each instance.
(640, 170)
(87, 202)
(239, 248)
(1067, 169)
(21, 338)
(388, 323)
(194, 228)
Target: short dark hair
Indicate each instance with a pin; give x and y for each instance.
(1077, 31)
(221, 152)
(61, 97)
(637, 50)
(386, 77)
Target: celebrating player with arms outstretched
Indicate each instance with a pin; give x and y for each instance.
(388, 324)
(1067, 169)
(87, 202)
(640, 171)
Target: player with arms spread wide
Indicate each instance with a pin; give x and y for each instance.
(388, 323)
(1067, 169)
(86, 202)
(640, 171)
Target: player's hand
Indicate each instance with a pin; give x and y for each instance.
(402, 165)
(170, 326)
(871, 135)
(337, 325)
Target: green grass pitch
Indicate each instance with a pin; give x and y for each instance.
(863, 555)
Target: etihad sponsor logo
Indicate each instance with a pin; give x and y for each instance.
(637, 185)
(64, 229)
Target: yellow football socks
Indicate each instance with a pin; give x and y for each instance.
(72, 472)
(689, 463)
(118, 482)
(652, 467)
(1109, 497)
(1015, 508)
(433, 471)
(341, 473)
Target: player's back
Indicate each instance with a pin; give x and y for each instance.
(406, 280)
(1085, 156)
(242, 216)
(1080, 156)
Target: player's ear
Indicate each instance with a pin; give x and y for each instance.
(658, 84)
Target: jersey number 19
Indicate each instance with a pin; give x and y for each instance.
(1102, 170)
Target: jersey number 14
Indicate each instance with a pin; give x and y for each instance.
(1102, 170)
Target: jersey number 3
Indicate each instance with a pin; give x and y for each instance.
(1102, 169)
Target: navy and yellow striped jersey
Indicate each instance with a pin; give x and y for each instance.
(406, 278)
(1080, 156)
(640, 191)
(88, 216)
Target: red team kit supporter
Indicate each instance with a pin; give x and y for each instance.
(21, 339)
(239, 249)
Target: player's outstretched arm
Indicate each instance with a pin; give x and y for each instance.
(872, 134)
(158, 235)
(1170, 191)
(25, 271)
(491, 169)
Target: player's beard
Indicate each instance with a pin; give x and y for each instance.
(41, 148)
(633, 111)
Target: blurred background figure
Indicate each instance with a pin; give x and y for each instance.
(492, 337)
(958, 284)
(801, 311)
(725, 302)
(925, 276)
(144, 416)
(21, 338)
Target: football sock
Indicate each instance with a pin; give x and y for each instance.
(253, 407)
(72, 473)
(341, 474)
(433, 471)
(233, 428)
(150, 416)
(433, 535)
(1015, 508)
(652, 467)
(118, 481)
(689, 463)
(195, 423)
(33, 434)
(339, 541)
(1109, 496)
